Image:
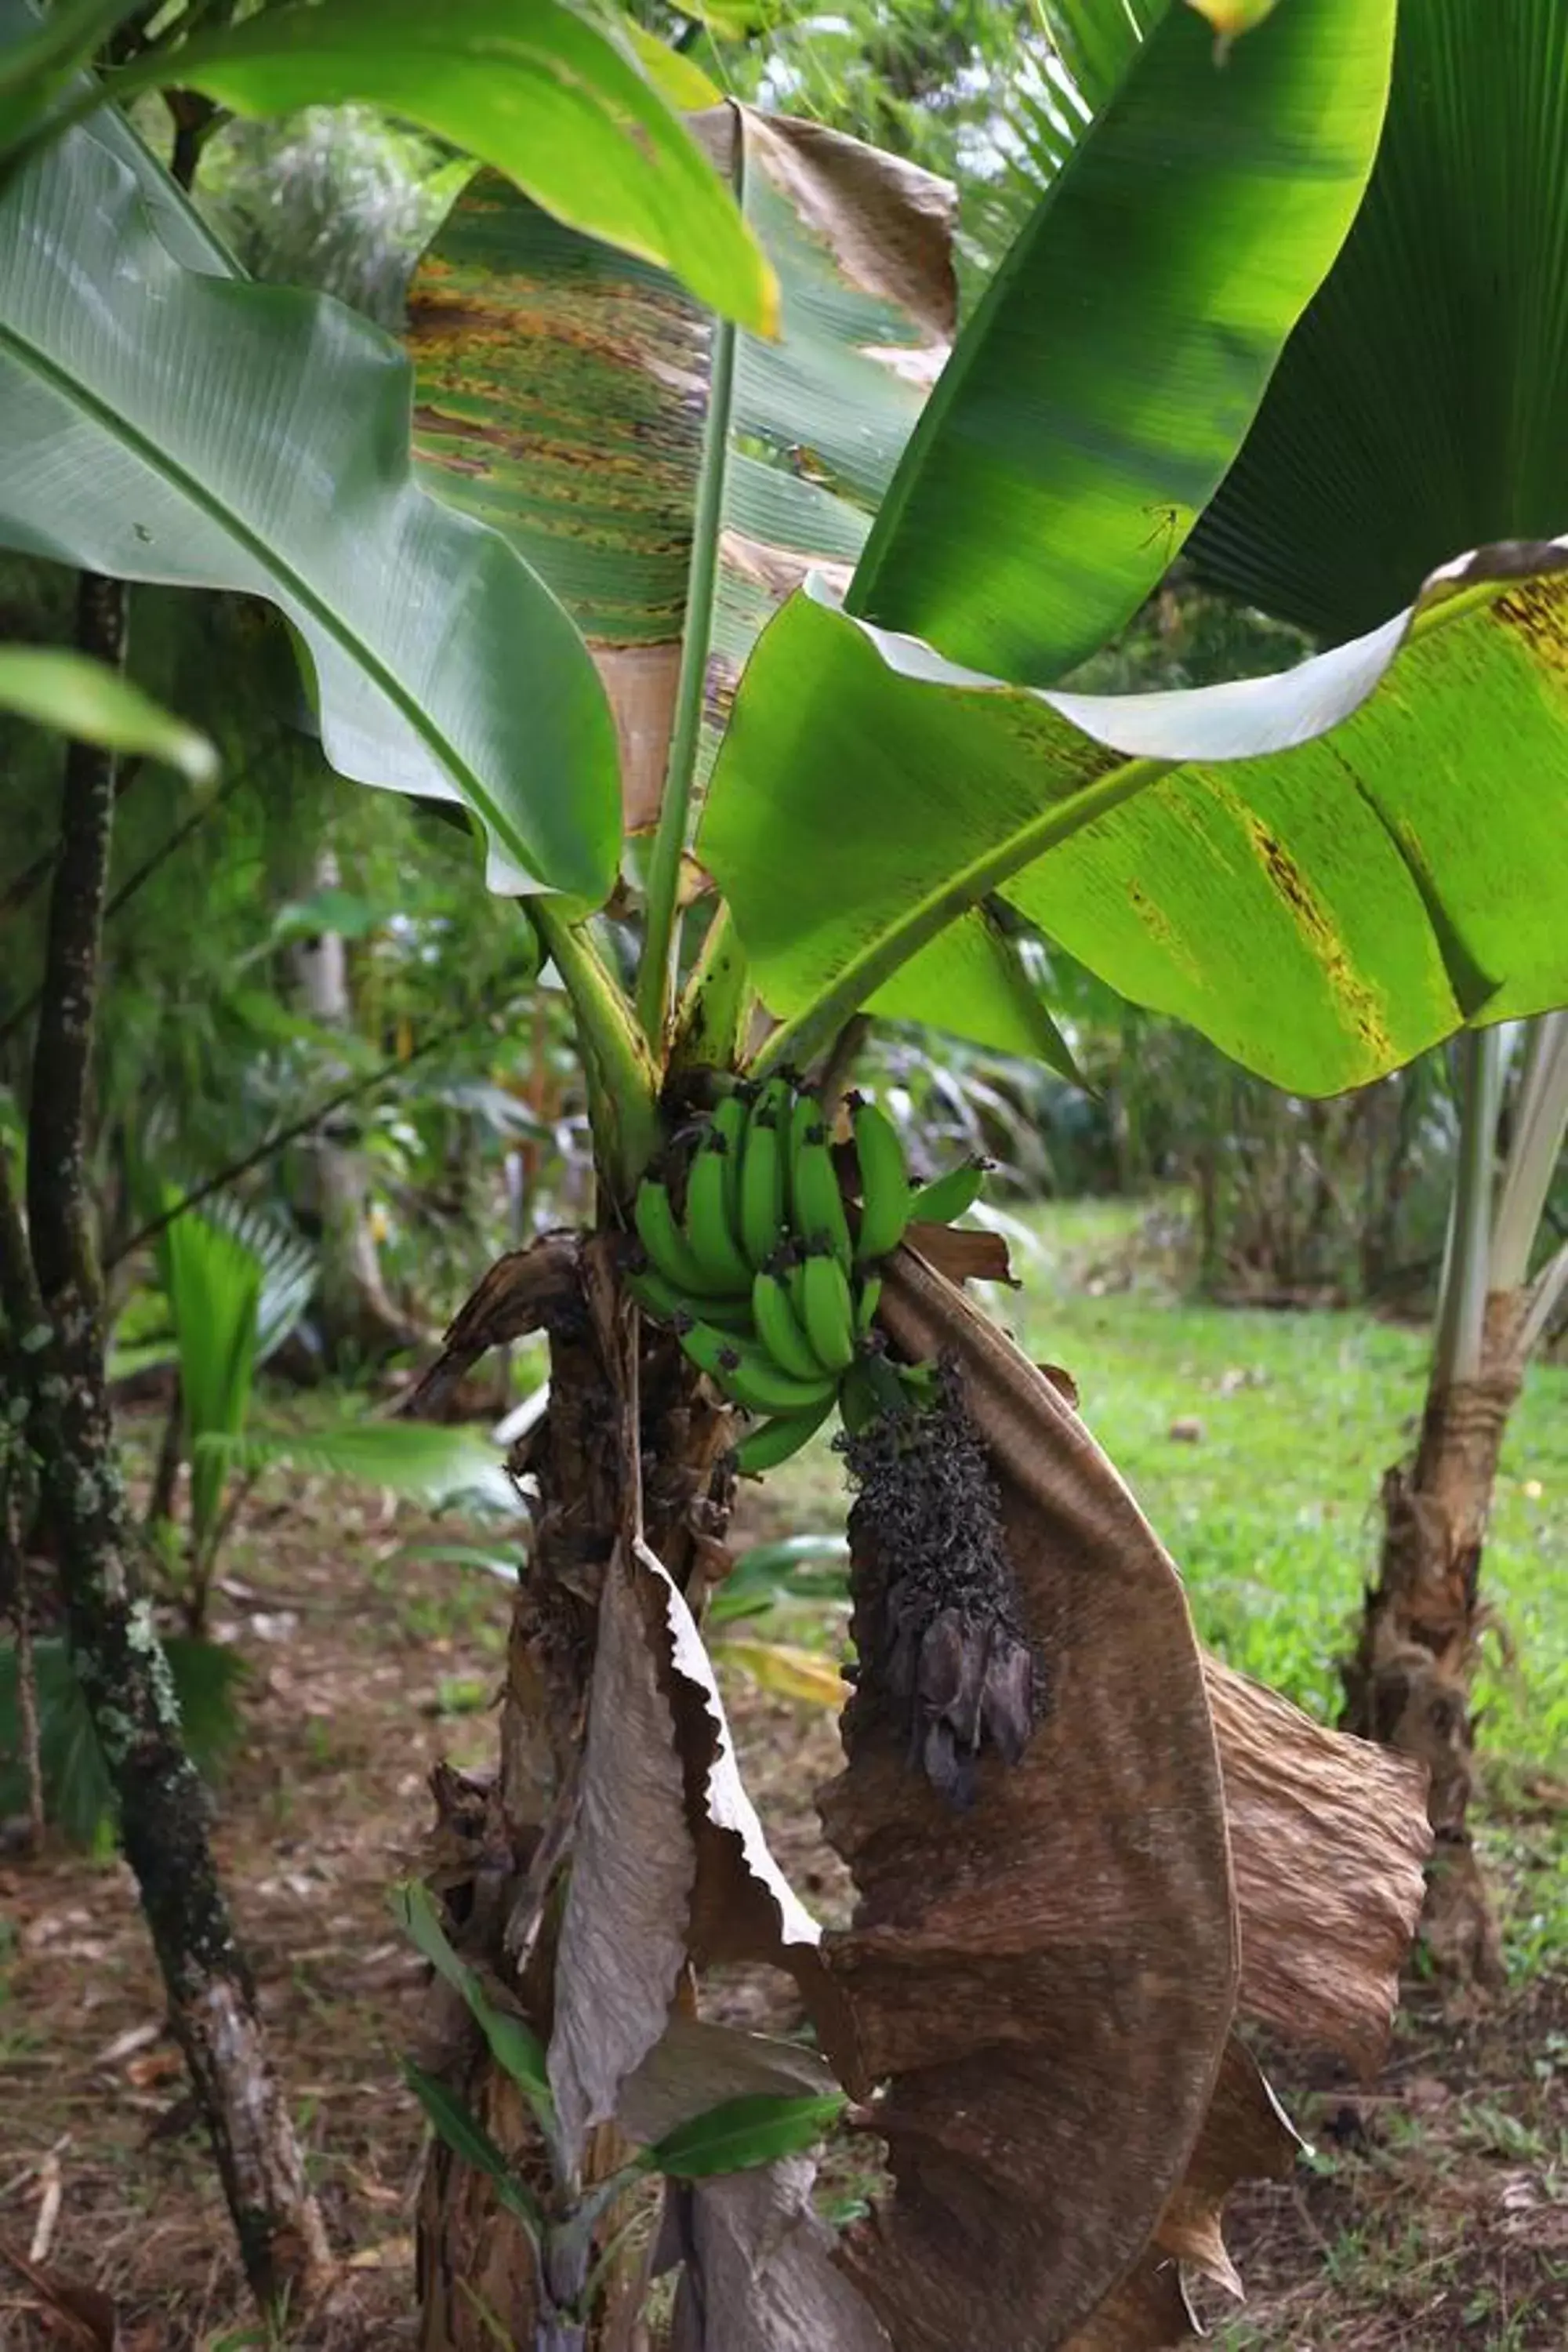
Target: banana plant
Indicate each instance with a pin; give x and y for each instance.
(1425, 349)
(1407, 1682)
(768, 640)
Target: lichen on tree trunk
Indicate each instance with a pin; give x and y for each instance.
(52, 1305)
(1407, 1683)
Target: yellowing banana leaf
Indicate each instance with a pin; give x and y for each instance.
(784, 1669)
(1325, 871)
(673, 482)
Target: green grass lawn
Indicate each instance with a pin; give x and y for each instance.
(1272, 1515)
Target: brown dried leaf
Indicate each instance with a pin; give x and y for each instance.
(623, 1936)
(890, 224)
(531, 1289)
(1328, 1836)
(743, 1907)
(1147, 2312)
(964, 1253)
(1046, 1981)
(759, 2274)
(1245, 2137)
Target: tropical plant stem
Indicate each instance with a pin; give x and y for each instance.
(623, 1077)
(711, 1025)
(1467, 1276)
(1540, 1122)
(655, 976)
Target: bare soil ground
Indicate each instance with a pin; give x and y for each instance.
(1434, 2213)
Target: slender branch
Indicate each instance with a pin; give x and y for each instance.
(59, 1215)
(143, 874)
(283, 1136)
(839, 1065)
(21, 886)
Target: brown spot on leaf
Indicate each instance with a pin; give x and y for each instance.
(1322, 938)
(1537, 612)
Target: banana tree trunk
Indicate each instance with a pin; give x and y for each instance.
(500, 1844)
(1407, 1685)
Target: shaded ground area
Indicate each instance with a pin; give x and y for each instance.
(1435, 2212)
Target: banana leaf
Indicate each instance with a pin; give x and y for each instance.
(1419, 405)
(165, 422)
(673, 481)
(1326, 871)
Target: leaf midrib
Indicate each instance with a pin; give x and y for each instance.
(866, 972)
(471, 787)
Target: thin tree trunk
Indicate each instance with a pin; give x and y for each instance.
(1407, 1685)
(475, 2268)
(355, 1301)
(51, 1293)
(15, 1600)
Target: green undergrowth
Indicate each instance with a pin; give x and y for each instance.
(1254, 1442)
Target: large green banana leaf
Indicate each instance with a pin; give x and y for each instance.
(533, 86)
(1119, 353)
(1422, 404)
(160, 422)
(1325, 871)
(673, 483)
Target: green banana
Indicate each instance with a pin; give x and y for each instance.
(804, 1111)
(816, 1205)
(707, 1230)
(867, 1300)
(730, 1117)
(748, 1374)
(950, 1196)
(780, 1331)
(772, 1442)
(670, 1254)
(665, 1304)
(829, 1308)
(761, 1211)
(884, 1180)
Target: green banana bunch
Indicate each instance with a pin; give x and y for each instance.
(769, 1289)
